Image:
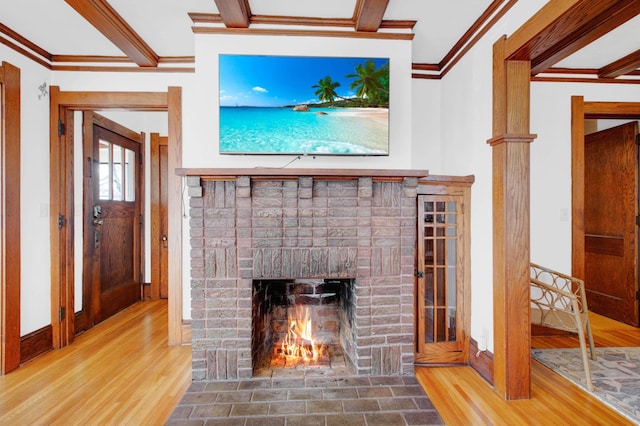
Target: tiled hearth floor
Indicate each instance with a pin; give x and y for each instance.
(307, 398)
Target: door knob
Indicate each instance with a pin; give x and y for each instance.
(97, 222)
(165, 240)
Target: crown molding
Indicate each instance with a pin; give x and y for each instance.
(308, 33)
(496, 10)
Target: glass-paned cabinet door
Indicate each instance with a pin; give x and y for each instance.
(439, 279)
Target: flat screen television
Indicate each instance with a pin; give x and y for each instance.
(303, 105)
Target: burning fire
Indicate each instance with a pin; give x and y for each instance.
(299, 343)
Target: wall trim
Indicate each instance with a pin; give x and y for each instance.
(481, 361)
(36, 343)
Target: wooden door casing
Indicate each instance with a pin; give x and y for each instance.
(610, 210)
(62, 106)
(10, 224)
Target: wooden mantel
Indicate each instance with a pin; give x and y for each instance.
(285, 172)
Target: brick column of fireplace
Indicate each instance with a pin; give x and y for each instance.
(273, 228)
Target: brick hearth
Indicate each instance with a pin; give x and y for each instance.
(252, 228)
(307, 400)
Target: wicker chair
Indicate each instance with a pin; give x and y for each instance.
(558, 301)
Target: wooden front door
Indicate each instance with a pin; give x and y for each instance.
(159, 216)
(112, 226)
(440, 280)
(611, 235)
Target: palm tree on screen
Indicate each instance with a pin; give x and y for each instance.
(369, 81)
(326, 89)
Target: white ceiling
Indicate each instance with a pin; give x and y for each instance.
(165, 26)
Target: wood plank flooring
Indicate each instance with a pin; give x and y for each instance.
(120, 372)
(123, 372)
(462, 397)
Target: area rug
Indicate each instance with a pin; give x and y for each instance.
(615, 375)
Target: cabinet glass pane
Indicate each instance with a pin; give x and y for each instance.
(440, 245)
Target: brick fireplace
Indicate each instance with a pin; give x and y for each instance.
(253, 228)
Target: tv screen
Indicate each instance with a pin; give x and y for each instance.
(303, 105)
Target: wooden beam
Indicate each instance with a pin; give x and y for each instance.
(106, 20)
(368, 14)
(622, 66)
(563, 27)
(234, 13)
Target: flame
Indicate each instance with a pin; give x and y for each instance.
(299, 341)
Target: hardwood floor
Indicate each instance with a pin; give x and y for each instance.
(123, 372)
(119, 372)
(462, 397)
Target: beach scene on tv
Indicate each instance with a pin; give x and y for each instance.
(303, 105)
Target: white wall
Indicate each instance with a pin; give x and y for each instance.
(426, 130)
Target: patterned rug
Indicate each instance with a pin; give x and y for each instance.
(615, 375)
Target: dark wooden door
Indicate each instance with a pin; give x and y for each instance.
(112, 227)
(611, 233)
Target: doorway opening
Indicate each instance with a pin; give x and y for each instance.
(63, 107)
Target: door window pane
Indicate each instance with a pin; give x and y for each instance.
(130, 175)
(104, 170)
(117, 173)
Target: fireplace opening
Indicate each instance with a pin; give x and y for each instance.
(302, 323)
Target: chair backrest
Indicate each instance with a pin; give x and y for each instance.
(565, 286)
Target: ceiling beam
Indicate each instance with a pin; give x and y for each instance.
(368, 14)
(622, 66)
(562, 27)
(234, 13)
(106, 20)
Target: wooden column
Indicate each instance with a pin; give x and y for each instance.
(175, 315)
(510, 145)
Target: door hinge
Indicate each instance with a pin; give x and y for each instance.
(638, 220)
(637, 294)
(62, 221)
(140, 158)
(60, 128)
(638, 139)
(418, 274)
(61, 313)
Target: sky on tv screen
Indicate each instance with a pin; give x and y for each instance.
(273, 81)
